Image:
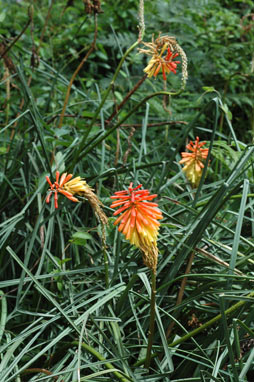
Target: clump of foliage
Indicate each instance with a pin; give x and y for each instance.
(76, 300)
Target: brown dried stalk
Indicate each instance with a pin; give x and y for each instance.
(118, 107)
(127, 152)
(38, 370)
(30, 15)
(77, 70)
(181, 291)
(45, 26)
(184, 280)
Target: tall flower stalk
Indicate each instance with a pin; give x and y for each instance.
(139, 224)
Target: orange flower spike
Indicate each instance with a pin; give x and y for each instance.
(138, 221)
(77, 186)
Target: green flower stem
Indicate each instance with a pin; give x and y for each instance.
(120, 376)
(200, 328)
(152, 320)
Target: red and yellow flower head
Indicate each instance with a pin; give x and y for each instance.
(193, 161)
(139, 221)
(76, 186)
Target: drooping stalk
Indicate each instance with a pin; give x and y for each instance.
(152, 320)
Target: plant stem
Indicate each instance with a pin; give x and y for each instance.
(118, 107)
(30, 15)
(111, 85)
(200, 328)
(76, 72)
(181, 292)
(119, 375)
(90, 146)
(152, 320)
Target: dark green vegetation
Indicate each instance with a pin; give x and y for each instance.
(60, 313)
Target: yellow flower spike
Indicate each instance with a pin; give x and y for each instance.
(193, 161)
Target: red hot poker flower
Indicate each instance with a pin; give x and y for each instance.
(76, 186)
(193, 161)
(139, 221)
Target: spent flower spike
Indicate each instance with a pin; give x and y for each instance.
(193, 161)
(139, 221)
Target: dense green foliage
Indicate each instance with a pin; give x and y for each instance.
(65, 315)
